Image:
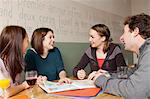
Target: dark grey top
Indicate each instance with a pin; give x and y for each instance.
(137, 85)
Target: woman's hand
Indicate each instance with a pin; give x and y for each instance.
(99, 73)
(106, 73)
(95, 74)
(25, 85)
(91, 75)
(81, 74)
(41, 79)
(65, 80)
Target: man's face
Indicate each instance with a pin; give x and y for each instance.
(127, 38)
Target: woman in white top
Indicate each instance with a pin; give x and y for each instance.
(13, 44)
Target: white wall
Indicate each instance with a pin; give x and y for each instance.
(118, 7)
(70, 20)
(140, 6)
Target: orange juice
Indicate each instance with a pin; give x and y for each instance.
(4, 83)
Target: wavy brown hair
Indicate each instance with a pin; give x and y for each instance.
(11, 40)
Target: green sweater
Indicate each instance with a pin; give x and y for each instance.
(50, 66)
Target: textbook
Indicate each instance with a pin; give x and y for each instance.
(51, 87)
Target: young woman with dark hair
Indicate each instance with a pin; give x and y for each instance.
(44, 57)
(13, 44)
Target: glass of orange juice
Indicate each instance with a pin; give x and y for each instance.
(4, 84)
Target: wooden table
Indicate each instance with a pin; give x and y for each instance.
(40, 94)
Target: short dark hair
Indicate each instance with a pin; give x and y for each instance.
(141, 21)
(38, 37)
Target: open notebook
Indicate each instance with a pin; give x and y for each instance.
(51, 87)
(79, 88)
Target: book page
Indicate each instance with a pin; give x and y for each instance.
(50, 87)
(84, 84)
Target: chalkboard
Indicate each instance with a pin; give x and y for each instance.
(70, 20)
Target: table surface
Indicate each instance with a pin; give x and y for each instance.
(40, 94)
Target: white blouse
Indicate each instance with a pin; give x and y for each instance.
(3, 72)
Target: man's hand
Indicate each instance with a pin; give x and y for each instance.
(91, 75)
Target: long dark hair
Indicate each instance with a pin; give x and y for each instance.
(11, 40)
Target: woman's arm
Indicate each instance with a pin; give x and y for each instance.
(81, 65)
(63, 77)
(62, 74)
(12, 90)
(60, 68)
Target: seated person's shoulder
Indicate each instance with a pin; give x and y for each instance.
(2, 69)
(31, 50)
(56, 49)
(31, 53)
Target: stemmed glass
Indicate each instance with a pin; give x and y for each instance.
(4, 84)
(31, 77)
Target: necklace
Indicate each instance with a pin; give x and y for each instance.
(100, 55)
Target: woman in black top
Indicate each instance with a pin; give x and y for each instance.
(101, 54)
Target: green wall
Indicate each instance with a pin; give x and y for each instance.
(72, 53)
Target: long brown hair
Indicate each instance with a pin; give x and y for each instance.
(103, 30)
(11, 40)
(38, 37)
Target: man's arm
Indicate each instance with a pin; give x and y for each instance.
(135, 86)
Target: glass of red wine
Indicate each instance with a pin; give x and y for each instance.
(31, 77)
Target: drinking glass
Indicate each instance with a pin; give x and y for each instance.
(31, 77)
(4, 84)
(122, 71)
